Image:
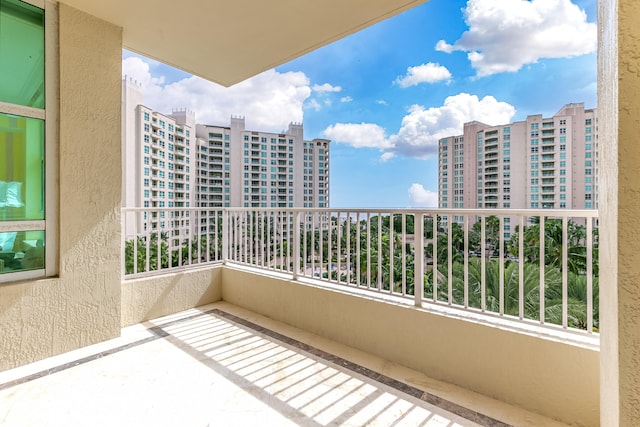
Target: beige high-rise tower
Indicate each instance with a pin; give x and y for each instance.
(172, 162)
(244, 168)
(548, 163)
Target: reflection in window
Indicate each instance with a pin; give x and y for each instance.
(22, 53)
(21, 168)
(21, 251)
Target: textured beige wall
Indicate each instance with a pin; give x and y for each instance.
(152, 297)
(555, 379)
(619, 99)
(41, 318)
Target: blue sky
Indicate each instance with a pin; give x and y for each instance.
(386, 94)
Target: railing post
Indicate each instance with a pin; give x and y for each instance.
(225, 235)
(123, 245)
(418, 280)
(296, 244)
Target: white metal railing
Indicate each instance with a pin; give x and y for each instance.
(160, 240)
(487, 261)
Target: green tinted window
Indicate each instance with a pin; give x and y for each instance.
(21, 251)
(21, 168)
(22, 53)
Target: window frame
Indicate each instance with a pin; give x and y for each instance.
(49, 115)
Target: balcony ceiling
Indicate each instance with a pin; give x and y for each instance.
(230, 41)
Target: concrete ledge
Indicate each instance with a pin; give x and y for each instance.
(555, 379)
(157, 296)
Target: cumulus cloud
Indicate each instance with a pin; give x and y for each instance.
(326, 87)
(346, 99)
(422, 127)
(269, 101)
(419, 197)
(313, 104)
(504, 36)
(425, 73)
(382, 102)
(387, 156)
(362, 135)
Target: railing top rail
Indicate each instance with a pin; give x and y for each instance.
(560, 213)
(176, 209)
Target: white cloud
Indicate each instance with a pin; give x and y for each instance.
(363, 135)
(382, 102)
(269, 101)
(425, 73)
(326, 87)
(313, 104)
(422, 127)
(346, 99)
(504, 36)
(387, 156)
(419, 197)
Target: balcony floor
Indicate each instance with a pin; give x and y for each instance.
(222, 365)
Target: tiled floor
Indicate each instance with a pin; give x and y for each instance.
(222, 366)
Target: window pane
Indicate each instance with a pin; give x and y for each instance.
(21, 168)
(21, 251)
(22, 53)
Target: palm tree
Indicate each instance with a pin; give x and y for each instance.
(576, 290)
(553, 247)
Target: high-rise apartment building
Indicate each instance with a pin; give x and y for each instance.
(158, 164)
(172, 162)
(244, 168)
(548, 163)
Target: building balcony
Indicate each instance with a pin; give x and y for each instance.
(261, 372)
(80, 300)
(469, 308)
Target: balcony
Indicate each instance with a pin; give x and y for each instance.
(261, 372)
(362, 267)
(83, 304)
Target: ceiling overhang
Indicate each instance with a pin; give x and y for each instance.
(229, 41)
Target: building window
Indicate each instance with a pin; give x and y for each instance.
(23, 235)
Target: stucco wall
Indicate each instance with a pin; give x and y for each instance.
(156, 296)
(619, 110)
(554, 379)
(41, 318)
